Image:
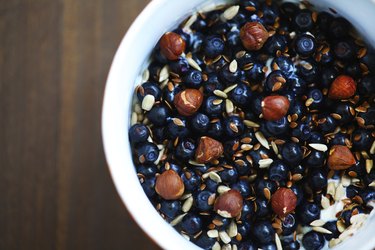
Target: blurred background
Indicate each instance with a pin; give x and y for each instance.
(56, 190)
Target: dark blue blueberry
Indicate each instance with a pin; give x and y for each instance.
(345, 217)
(326, 58)
(346, 112)
(170, 208)
(253, 4)
(302, 21)
(243, 166)
(211, 185)
(362, 139)
(270, 13)
(211, 108)
(291, 153)
(215, 129)
(352, 191)
(326, 123)
(353, 70)
(147, 152)
(298, 108)
(193, 78)
(299, 169)
(200, 122)
(213, 46)
(331, 226)
(368, 195)
(229, 175)
(368, 116)
(248, 211)
(313, 241)
(158, 115)
(275, 43)
(290, 244)
(308, 70)
(138, 133)
(285, 64)
(147, 170)
(305, 45)
(230, 147)
(275, 81)
(169, 95)
(278, 171)
(228, 77)
(241, 95)
(308, 212)
(339, 28)
(339, 139)
(204, 242)
(247, 245)
(269, 246)
(148, 186)
(288, 9)
(233, 38)
(243, 187)
(302, 132)
(244, 229)
(316, 137)
(202, 200)
(261, 184)
(263, 232)
(159, 57)
(318, 180)
(158, 134)
(317, 96)
(289, 224)
(324, 20)
(327, 75)
(358, 170)
(221, 222)
(191, 223)
(191, 180)
(255, 74)
(345, 50)
(185, 149)
(233, 126)
(297, 84)
(196, 42)
(212, 83)
(298, 191)
(149, 88)
(315, 159)
(179, 66)
(278, 127)
(199, 24)
(256, 104)
(171, 165)
(154, 70)
(176, 127)
(366, 85)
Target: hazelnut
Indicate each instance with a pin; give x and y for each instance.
(172, 45)
(253, 35)
(343, 87)
(208, 150)
(283, 201)
(169, 185)
(188, 101)
(274, 107)
(340, 157)
(229, 204)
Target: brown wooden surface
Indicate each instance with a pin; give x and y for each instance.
(56, 191)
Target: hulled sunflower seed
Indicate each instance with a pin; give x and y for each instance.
(177, 220)
(340, 192)
(319, 146)
(147, 102)
(325, 202)
(194, 163)
(220, 93)
(372, 184)
(213, 233)
(274, 147)
(265, 163)
(331, 189)
(187, 204)
(193, 63)
(278, 242)
(216, 246)
(145, 75)
(229, 108)
(230, 88)
(226, 247)
(369, 165)
(317, 223)
(190, 21)
(214, 176)
(232, 229)
(321, 230)
(251, 124)
(345, 180)
(246, 147)
(164, 73)
(217, 102)
(262, 140)
(133, 119)
(222, 189)
(334, 242)
(358, 218)
(309, 102)
(224, 237)
(231, 12)
(233, 66)
(372, 149)
(340, 226)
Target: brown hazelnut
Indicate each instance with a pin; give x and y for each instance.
(283, 201)
(340, 157)
(274, 107)
(172, 45)
(208, 150)
(343, 87)
(188, 101)
(253, 35)
(169, 185)
(229, 204)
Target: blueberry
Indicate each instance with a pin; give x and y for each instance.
(298, 191)
(331, 226)
(148, 186)
(215, 129)
(313, 241)
(344, 50)
(290, 244)
(366, 85)
(339, 139)
(256, 104)
(297, 84)
(353, 70)
(289, 224)
(233, 38)
(213, 46)
(328, 74)
(339, 28)
(263, 232)
(362, 139)
(199, 24)
(324, 21)
(305, 45)
(179, 66)
(308, 70)
(288, 9)
(147, 152)
(318, 180)
(308, 212)
(241, 95)
(202, 200)
(195, 42)
(278, 127)
(278, 171)
(185, 149)
(170, 208)
(261, 184)
(147, 170)
(326, 123)
(291, 153)
(247, 245)
(176, 127)
(317, 98)
(200, 122)
(255, 73)
(231, 146)
(345, 111)
(211, 107)
(138, 133)
(191, 223)
(269, 246)
(191, 180)
(243, 166)
(204, 242)
(228, 175)
(193, 78)
(298, 109)
(368, 195)
(270, 13)
(275, 81)
(275, 43)
(253, 4)
(212, 84)
(302, 21)
(315, 159)
(169, 95)
(158, 115)
(248, 211)
(149, 88)
(243, 187)
(316, 137)
(302, 132)
(233, 126)
(228, 77)
(352, 191)
(285, 64)
(368, 117)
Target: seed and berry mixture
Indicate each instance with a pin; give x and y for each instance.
(253, 128)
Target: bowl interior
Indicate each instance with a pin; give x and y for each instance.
(125, 74)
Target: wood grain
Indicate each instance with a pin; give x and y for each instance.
(56, 191)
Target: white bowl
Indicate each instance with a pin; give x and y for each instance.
(158, 17)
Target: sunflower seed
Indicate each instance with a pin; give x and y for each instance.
(178, 122)
(321, 230)
(246, 147)
(161, 153)
(193, 63)
(274, 147)
(334, 242)
(230, 88)
(358, 219)
(319, 146)
(177, 220)
(372, 184)
(317, 223)
(134, 119)
(340, 226)
(224, 237)
(226, 247)
(145, 76)
(340, 192)
(267, 193)
(232, 229)
(185, 196)
(262, 140)
(216, 246)
(309, 102)
(251, 124)
(231, 12)
(265, 163)
(214, 176)
(278, 242)
(229, 108)
(325, 202)
(194, 163)
(187, 204)
(220, 93)
(233, 66)
(164, 73)
(347, 233)
(213, 233)
(234, 247)
(369, 165)
(372, 149)
(190, 21)
(164, 83)
(345, 180)
(217, 102)
(222, 189)
(148, 102)
(331, 188)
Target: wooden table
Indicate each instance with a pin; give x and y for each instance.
(56, 191)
